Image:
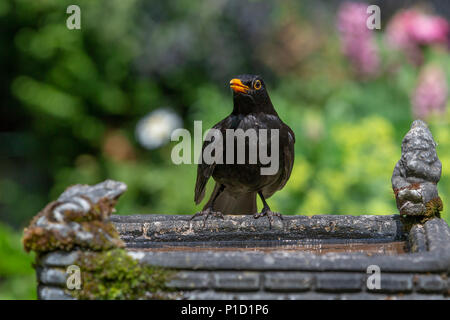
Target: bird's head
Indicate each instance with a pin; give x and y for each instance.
(250, 94)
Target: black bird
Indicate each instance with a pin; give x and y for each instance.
(238, 184)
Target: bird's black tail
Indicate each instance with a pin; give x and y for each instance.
(227, 204)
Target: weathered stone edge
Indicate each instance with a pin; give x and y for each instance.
(141, 229)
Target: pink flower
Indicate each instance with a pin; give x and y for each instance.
(431, 93)
(410, 29)
(357, 40)
(429, 30)
(399, 29)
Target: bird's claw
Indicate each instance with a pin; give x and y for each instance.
(270, 214)
(208, 212)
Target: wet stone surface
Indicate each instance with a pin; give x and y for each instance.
(311, 246)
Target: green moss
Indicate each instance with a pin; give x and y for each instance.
(47, 238)
(104, 237)
(434, 207)
(114, 274)
(409, 221)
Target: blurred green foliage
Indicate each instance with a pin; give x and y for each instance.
(73, 98)
(17, 280)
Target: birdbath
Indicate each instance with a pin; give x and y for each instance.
(84, 252)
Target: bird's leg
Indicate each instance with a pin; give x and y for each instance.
(266, 211)
(210, 209)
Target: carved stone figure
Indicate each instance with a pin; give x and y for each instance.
(417, 173)
(78, 218)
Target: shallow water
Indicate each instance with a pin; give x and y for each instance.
(313, 246)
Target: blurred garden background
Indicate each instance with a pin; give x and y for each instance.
(80, 106)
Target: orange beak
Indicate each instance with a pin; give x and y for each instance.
(238, 86)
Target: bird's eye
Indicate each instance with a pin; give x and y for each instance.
(257, 85)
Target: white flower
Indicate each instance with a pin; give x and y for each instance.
(154, 130)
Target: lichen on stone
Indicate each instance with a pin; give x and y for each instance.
(114, 274)
(77, 219)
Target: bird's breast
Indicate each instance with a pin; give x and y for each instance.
(241, 170)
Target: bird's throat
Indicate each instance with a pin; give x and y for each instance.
(246, 104)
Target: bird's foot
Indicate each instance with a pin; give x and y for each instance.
(207, 212)
(269, 213)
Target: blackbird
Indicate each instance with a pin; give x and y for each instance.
(238, 184)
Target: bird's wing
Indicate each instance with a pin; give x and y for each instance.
(204, 170)
(289, 154)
